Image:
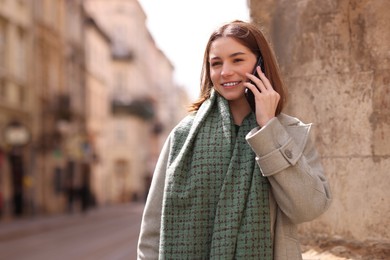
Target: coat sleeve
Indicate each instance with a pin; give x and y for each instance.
(149, 238)
(288, 158)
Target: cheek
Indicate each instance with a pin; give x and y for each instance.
(214, 76)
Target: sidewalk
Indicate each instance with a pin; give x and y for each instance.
(313, 249)
(12, 229)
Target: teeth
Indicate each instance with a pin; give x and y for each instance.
(230, 84)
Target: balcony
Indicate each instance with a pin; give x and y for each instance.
(141, 107)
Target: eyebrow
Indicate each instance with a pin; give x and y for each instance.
(230, 56)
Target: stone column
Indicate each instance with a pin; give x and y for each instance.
(335, 56)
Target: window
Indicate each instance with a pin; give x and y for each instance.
(20, 55)
(38, 8)
(54, 14)
(121, 167)
(120, 134)
(22, 96)
(3, 87)
(3, 90)
(2, 44)
(73, 19)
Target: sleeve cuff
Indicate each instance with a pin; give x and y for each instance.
(274, 147)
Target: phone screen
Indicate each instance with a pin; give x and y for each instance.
(248, 93)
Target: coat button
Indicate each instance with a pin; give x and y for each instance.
(288, 153)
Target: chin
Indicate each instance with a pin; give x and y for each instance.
(233, 96)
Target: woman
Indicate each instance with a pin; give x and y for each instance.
(231, 183)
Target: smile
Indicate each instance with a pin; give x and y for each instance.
(230, 84)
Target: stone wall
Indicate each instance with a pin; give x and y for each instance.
(335, 56)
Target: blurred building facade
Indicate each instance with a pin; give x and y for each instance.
(86, 100)
(336, 60)
(59, 102)
(140, 96)
(16, 103)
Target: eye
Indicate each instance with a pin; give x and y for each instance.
(215, 63)
(238, 60)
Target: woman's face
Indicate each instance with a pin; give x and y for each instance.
(229, 61)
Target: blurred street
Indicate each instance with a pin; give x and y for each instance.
(104, 233)
(111, 233)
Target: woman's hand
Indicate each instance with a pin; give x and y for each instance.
(266, 99)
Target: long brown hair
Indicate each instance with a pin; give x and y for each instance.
(251, 37)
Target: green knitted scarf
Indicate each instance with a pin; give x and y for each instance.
(216, 200)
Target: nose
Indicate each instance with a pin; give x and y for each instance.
(226, 70)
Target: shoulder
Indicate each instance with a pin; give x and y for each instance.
(184, 125)
(179, 134)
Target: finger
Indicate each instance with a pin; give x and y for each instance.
(261, 75)
(257, 82)
(252, 87)
(264, 79)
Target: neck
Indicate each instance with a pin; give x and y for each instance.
(239, 109)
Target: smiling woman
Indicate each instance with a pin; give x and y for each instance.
(187, 58)
(232, 183)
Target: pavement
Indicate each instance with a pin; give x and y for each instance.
(104, 233)
(17, 229)
(14, 228)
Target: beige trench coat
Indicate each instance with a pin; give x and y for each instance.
(299, 190)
